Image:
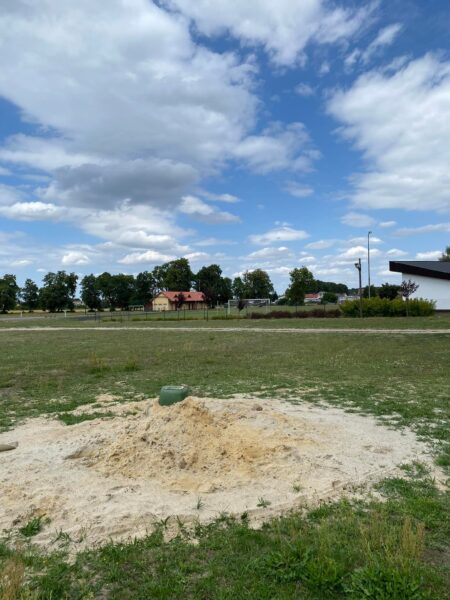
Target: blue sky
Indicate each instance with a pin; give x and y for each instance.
(248, 133)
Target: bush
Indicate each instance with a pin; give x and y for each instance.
(384, 307)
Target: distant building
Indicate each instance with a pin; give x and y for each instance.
(432, 277)
(170, 301)
(314, 298)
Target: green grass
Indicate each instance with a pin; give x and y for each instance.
(398, 548)
(219, 319)
(343, 550)
(33, 527)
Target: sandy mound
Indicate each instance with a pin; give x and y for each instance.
(202, 446)
(114, 478)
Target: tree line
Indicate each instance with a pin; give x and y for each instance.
(58, 290)
(111, 291)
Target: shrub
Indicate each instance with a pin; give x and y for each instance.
(384, 307)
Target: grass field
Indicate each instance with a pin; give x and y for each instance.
(396, 549)
(219, 319)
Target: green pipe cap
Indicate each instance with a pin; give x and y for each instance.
(170, 394)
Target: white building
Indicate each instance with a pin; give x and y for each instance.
(432, 277)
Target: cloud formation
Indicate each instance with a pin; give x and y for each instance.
(285, 32)
(278, 234)
(406, 149)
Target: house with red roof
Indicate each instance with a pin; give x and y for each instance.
(175, 300)
(314, 298)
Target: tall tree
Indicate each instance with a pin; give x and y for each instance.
(144, 288)
(159, 276)
(257, 284)
(216, 288)
(179, 300)
(29, 295)
(300, 280)
(90, 292)
(105, 285)
(238, 288)
(8, 293)
(373, 291)
(178, 277)
(226, 292)
(389, 290)
(316, 285)
(123, 290)
(445, 257)
(58, 291)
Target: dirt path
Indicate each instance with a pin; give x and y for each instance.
(240, 329)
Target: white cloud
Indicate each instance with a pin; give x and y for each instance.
(279, 147)
(363, 240)
(297, 190)
(407, 150)
(132, 109)
(387, 273)
(43, 153)
(23, 262)
(324, 68)
(396, 253)
(385, 37)
(283, 33)
(211, 241)
(31, 211)
(151, 257)
(278, 234)
(75, 258)
(354, 219)
(307, 260)
(228, 198)
(10, 195)
(196, 256)
(358, 252)
(432, 255)
(437, 227)
(303, 89)
(352, 58)
(202, 211)
(386, 224)
(270, 253)
(321, 244)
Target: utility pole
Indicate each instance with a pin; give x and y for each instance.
(368, 258)
(358, 267)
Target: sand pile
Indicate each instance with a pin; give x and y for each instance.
(114, 478)
(202, 446)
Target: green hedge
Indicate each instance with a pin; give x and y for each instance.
(383, 307)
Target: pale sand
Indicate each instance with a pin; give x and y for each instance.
(114, 478)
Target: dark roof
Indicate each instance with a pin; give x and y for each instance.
(426, 268)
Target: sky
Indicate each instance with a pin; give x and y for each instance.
(247, 133)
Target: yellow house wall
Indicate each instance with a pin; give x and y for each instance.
(161, 303)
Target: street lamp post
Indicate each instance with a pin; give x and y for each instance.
(368, 258)
(358, 267)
